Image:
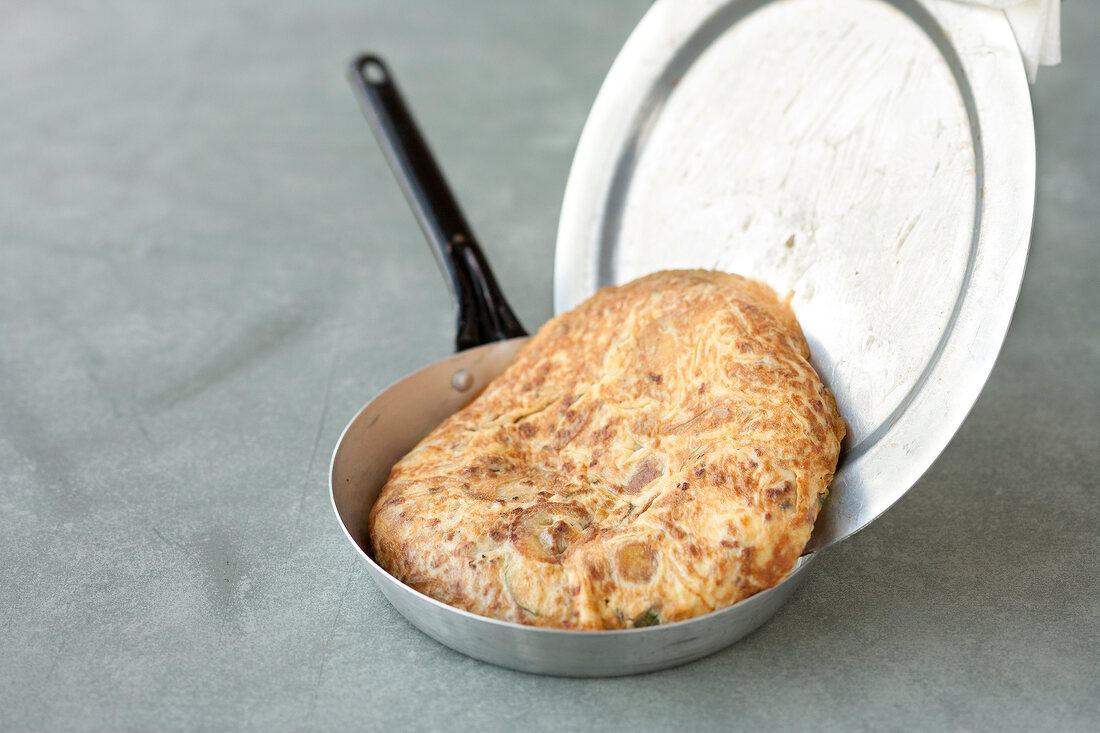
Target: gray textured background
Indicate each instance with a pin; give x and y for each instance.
(205, 270)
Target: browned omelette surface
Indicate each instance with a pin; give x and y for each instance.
(659, 452)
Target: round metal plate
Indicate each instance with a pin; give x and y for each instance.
(876, 158)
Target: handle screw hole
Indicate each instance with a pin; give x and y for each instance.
(374, 72)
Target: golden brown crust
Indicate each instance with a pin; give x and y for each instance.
(659, 452)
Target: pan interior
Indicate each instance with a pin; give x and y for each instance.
(397, 419)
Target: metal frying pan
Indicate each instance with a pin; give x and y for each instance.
(488, 336)
(693, 119)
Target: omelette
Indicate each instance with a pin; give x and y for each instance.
(657, 453)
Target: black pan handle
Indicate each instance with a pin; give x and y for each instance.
(483, 315)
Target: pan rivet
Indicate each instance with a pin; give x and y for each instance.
(462, 380)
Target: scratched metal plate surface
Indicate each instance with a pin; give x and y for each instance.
(876, 158)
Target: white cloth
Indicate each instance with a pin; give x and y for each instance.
(1037, 25)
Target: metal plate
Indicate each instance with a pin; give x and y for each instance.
(877, 158)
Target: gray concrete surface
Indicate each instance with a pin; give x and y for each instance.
(205, 269)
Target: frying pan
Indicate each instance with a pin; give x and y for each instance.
(488, 335)
(677, 89)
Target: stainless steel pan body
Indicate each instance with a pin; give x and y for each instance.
(488, 337)
(388, 427)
